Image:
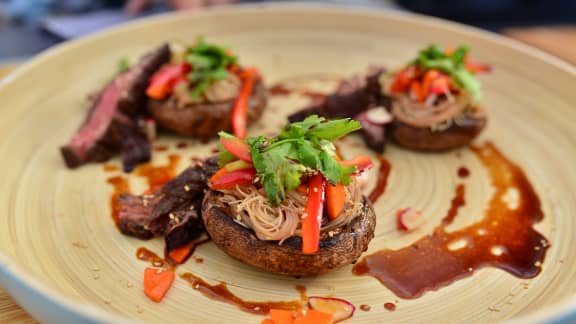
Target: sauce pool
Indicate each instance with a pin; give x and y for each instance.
(504, 238)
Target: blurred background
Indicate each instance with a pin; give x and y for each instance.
(29, 26)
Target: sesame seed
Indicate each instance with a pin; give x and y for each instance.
(257, 308)
(315, 189)
(196, 286)
(187, 188)
(537, 263)
(171, 216)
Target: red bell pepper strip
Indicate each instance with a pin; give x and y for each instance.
(163, 81)
(361, 162)
(313, 218)
(240, 108)
(230, 179)
(237, 147)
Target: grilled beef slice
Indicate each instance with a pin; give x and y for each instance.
(173, 211)
(350, 100)
(110, 127)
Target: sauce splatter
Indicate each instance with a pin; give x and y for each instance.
(110, 167)
(181, 145)
(120, 185)
(365, 308)
(503, 239)
(382, 180)
(220, 292)
(158, 175)
(463, 172)
(148, 256)
(390, 306)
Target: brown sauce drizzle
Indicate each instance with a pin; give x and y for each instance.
(161, 148)
(390, 306)
(146, 255)
(181, 145)
(463, 172)
(382, 181)
(504, 239)
(120, 185)
(302, 291)
(281, 90)
(220, 292)
(158, 176)
(110, 167)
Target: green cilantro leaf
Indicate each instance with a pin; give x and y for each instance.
(209, 64)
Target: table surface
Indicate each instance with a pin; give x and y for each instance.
(550, 39)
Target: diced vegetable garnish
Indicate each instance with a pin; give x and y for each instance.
(305, 316)
(335, 199)
(179, 255)
(339, 308)
(378, 116)
(313, 214)
(157, 282)
(409, 219)
(433, 72)
(240, 108)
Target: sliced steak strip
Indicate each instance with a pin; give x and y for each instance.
(173, 211)
(110, 126)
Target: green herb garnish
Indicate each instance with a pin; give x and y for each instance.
(302, 148)
(453, 64)
(209, 64)
(123, 64)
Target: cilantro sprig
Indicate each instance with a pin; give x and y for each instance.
(209, 64)
(301, 149)
(453, 64)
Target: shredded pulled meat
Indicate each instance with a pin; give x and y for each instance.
(278, 223)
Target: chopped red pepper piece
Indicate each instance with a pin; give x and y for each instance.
(228, 180)
(237, 147)
(313, 218)
(240, 108)
(163, 81)
(361, 162)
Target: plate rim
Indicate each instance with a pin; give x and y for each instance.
(11, 271)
